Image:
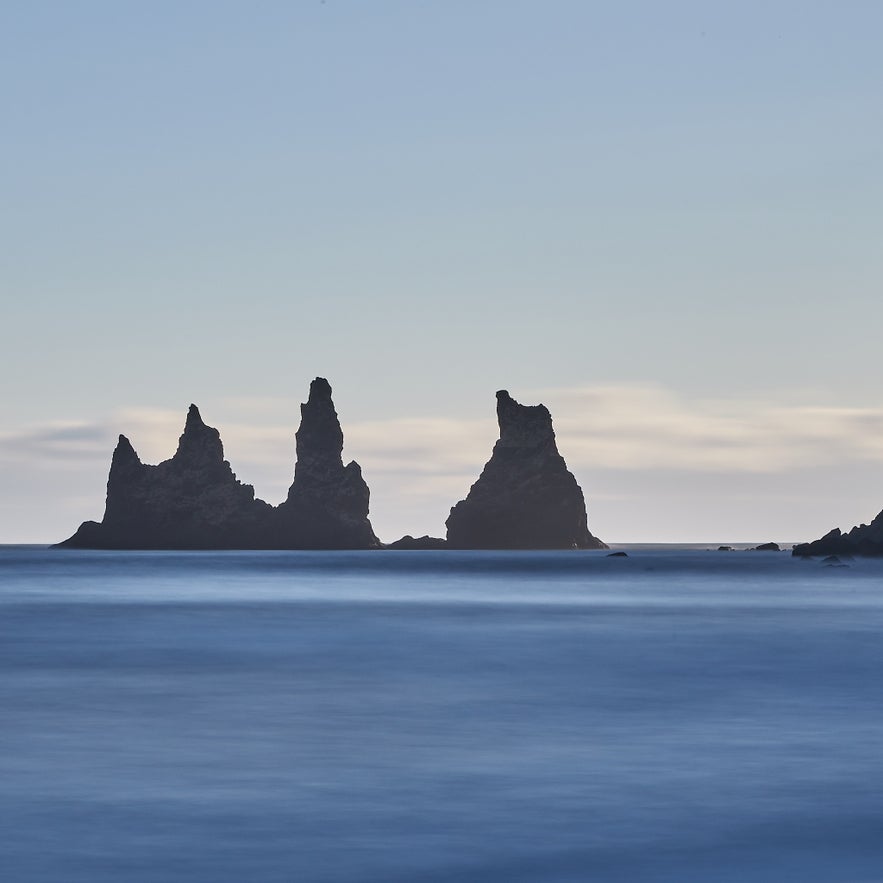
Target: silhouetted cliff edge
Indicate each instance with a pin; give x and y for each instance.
(525, 498)
(866, 539)
(194, 501)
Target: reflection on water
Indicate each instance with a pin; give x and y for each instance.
(670, 716)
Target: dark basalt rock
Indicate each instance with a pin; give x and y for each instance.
(766, 547)
(409, 543)
(327, 505)
(194, 501)
(866, 539)
(525, 498)
(617, 555)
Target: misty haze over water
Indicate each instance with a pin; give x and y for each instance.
(676, 715)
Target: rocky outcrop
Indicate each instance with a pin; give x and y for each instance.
(327, 505)
(866, 539)
(525, 498)
(412, 544)
(194, 501)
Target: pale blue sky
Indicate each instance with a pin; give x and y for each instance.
(425, 202)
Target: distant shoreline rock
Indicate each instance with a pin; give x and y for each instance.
(864, 540)
(409, 543)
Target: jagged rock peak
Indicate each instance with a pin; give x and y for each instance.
(523, 425)
(320, 388)
(194, 419)
(319, 422)
(525, 497)
(198, 440)
(124, 453)
(319, 439)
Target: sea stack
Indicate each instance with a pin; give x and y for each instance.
(327, 505)
(866, 539)
(525, 498)
(194, 501)
(191, 501)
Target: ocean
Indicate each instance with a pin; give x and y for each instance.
(277, 717)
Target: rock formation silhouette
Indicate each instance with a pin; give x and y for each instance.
(191, 501)
(866, 539)
(327, 505)
(194, 501)
(525, 498)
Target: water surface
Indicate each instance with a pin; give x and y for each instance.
(439, 716)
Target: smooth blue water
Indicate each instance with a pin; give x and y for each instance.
(673, 716)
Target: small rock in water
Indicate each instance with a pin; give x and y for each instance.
(767, 547)
(617, 555)
(725, 549)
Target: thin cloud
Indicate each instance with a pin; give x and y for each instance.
(622, 427)
(55, 441)
(650, 427)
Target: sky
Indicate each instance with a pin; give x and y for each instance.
(662, 220)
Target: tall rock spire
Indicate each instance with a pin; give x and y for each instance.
(199, 443)
(327, 505)
(319, 441)
(525, 498)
